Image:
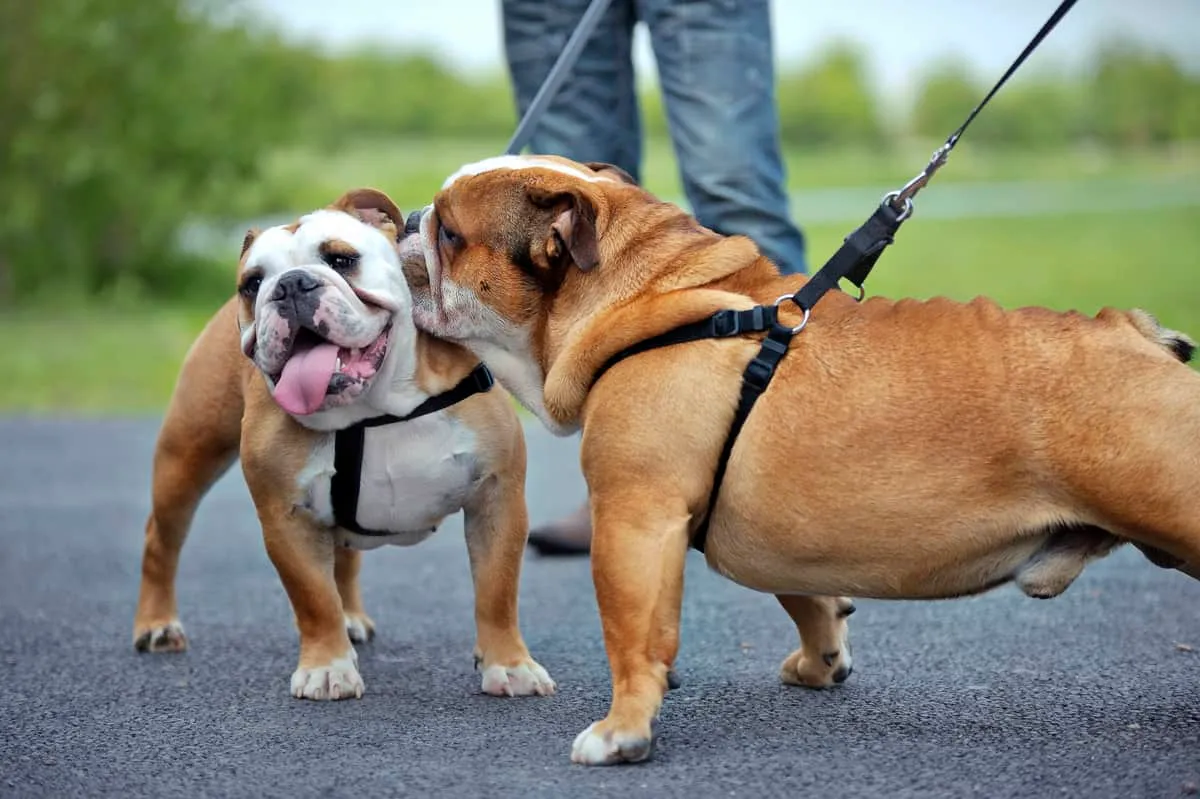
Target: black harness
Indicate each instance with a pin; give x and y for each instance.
(853, 261)
(348, 446)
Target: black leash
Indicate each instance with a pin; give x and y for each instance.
(853, 261)
(348, 443)
(558, 74)
(348, 446)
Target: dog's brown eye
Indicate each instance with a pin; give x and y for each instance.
(341, 262)
(250, 286)
(451, 238)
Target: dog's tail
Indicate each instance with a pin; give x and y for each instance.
(1173, 341)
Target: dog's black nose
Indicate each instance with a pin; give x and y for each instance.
(413, 223)
(294, 284)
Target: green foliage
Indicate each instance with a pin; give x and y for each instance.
(829, 101)
(121, 120)
(379, 93)
(1140, 97)
(1132, 97)
(124, 124)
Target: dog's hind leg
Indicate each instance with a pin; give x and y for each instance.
(824, 654)
(1142, 436)
(359, 626)
(196, 445)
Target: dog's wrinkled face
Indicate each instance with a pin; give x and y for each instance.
(320, 300)
(493, 250)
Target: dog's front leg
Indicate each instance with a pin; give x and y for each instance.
(824, 654)
(639, 546)
(303, 554)
(497, 526)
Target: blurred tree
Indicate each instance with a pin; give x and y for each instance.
(1140, 97)
(946, 94)
(379, 93)
(118, 121)
(830, 101)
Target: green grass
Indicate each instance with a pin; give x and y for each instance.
(93, 361)
(411, 171)
(124, 360)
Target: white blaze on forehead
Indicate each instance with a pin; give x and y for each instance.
(521, 162)
(281, 247)
(267, 246)
(325, 224)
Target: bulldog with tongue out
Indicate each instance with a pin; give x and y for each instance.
(319, 344)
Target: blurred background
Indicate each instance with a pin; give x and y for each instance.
(138, 141)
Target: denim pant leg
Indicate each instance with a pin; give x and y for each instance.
(717, 71)
(594, 116)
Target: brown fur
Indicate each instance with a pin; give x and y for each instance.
(221, 410)
(905, 450)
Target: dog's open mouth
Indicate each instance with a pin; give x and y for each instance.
(317, 369)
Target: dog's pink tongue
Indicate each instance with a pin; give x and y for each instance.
(306, 375)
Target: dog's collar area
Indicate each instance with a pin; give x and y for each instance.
(348, 446)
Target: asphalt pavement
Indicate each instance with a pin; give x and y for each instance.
(1093, 694)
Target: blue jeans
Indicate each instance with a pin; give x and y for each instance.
(717, 73)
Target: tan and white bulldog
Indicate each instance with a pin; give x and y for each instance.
(905, 450)
(319, 336)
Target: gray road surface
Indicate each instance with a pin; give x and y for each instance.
(1094, 694)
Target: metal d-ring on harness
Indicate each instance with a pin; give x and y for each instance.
(853, 261)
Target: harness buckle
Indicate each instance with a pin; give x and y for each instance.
(758, 374)
(725, 324)
(484, 380)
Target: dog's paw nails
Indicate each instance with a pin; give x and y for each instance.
(524, 679)
(597, 746)
(167, 637)
(820, 671)
(339, 680)
(360, 628)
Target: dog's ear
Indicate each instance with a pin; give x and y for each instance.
(375, 208)
(572, 234)
(611, 171)
(251, 235)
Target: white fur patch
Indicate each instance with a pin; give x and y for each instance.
(337, 680)
(591, 748)
(414, 474)
(526, 679)
(519, 162)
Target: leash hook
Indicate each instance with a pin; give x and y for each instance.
(902, 199)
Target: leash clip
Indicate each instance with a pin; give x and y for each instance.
(902, 200)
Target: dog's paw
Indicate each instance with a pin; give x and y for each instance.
(360, 628)
(527, 678)
(337, 680)
(167, 637)
(602, 745)
(817, 669)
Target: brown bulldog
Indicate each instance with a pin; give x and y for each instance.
(320, 337)
(905, 450)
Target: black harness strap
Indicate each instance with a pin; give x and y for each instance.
(722, 324)
(852, 261)
(348, 446)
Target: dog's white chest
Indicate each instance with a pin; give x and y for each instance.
(413, 475)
